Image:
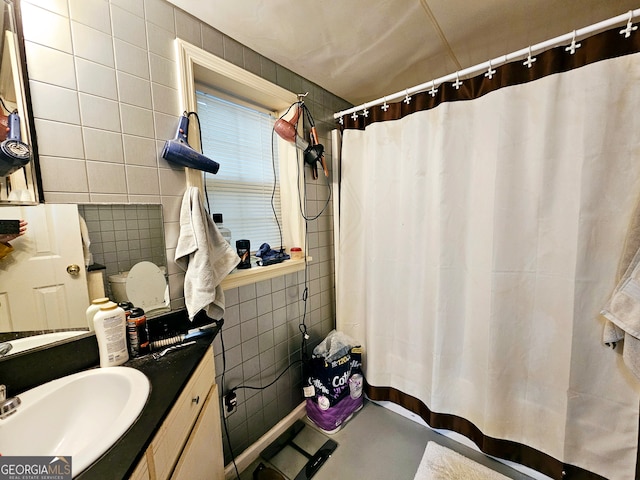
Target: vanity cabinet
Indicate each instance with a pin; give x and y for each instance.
(188, 444)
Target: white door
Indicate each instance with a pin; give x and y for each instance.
(40, 286)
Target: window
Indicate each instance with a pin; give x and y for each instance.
(198, 67)
(245, 189)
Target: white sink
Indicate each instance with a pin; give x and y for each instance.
(79, 416)
(27, 343)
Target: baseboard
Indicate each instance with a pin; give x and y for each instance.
(252, 453)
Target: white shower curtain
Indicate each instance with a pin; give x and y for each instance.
(478, 242)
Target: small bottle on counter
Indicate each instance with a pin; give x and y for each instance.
(296, 253)
(243, 247)
(110, 326)
(127, 307)
(93, 309)
(224, 231)
(137, 332)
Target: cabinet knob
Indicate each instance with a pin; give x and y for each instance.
(196, 400)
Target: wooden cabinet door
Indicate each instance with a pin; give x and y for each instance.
(202, 457)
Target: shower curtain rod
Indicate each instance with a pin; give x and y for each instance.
(498, 61)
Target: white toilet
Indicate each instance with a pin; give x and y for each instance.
(144, 285)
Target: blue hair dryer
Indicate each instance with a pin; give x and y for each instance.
(179, 151)
(14, 153)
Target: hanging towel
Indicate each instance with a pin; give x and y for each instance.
(205, 256)
(86, 242)
(623, 311)
(614, 332)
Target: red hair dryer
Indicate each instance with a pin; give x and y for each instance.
(313, 152)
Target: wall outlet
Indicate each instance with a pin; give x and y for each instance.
(230, 403)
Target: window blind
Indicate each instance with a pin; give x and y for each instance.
(240, 139)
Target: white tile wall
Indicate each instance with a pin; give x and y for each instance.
(56, 6)
(131, 59)
(49, 65)
(92, 13)
(136, 120)
(103, 145)
(96, 79)
(134, 90)
(55, 103)
(92, 44)
(160, 13)
(98, 112)
(46, 28)
(134, 6)
(128, 27)
(59, 139)
(140, 151)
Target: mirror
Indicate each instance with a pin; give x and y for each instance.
(116, 237)
(121, 236)
(19, 169)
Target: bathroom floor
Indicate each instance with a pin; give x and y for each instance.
(378, 444)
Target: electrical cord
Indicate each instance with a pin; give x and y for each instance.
(302, 327)
(5, 106)
(250, 387)
(224, 417)
(275, 177)
(302, 209)
(206, 193)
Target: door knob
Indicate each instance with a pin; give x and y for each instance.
(73, 270)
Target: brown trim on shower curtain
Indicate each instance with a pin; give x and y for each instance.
(504, 449)
(603, 46)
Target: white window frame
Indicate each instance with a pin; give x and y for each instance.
(197, 65)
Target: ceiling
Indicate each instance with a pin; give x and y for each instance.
(362, 50)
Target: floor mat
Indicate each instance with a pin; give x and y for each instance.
(440, 463)
(297, 454)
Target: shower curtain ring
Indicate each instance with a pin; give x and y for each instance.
(354, 117)
(630, 27)
(407, 98)
(530, 59)
(491, 72)
(384, 106)
(574, 46)
(433, 90)
(457, 83)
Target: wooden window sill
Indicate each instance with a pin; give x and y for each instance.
(239, 278)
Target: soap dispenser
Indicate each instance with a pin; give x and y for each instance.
(111, 332)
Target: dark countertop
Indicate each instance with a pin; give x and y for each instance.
(168, 376)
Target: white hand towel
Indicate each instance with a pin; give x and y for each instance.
(206, 257)
(86, 242)
(623, 311)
